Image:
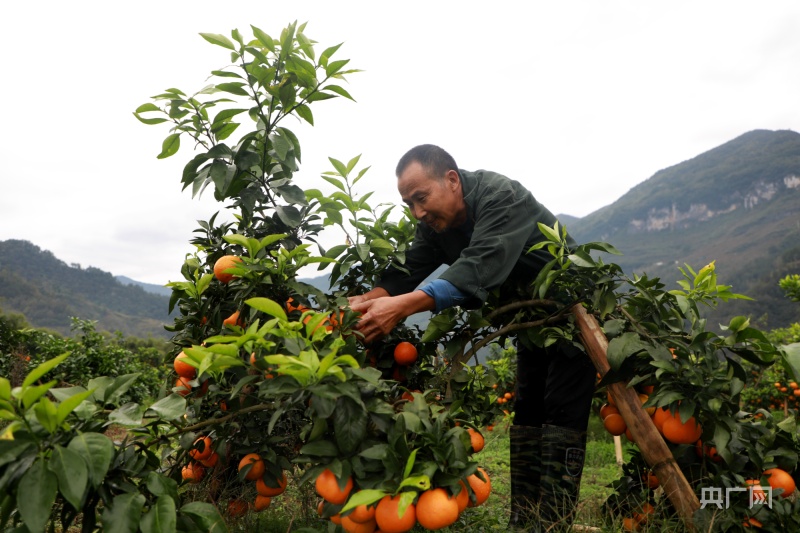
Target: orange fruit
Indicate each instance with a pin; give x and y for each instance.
(351, 526)
(476, 440)
(262, 502)
(659, 417)
(256, 470)
(389, 519)
(648, 389)
(614, 424)
(362, 514)
(482, 489)
(781, 479)
(211, 461)
(202, 449)
(234, 320)
(237, 507)
(679, 432)
(707, 450)
(608, 409)
(328, 487)
(182, 368)
(183, 386)
(629, 524)
(265, 490)
(796, 392)
(752, 522)
(291, 307)
(193, 472)
(507, 396)
(651, 480)
(645, 512)
(436, 509)
(405, 353)
(462, 498)
(224, 263)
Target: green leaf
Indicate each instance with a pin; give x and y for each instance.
(233, 87)
(69, 404)
(12, 450)
(790, 356)
(119, 386)
(205, 516)
(622, 347)
(170, 407)
(72, 473)
(31, 394)
(5, 389)
(159, 485)
(45, 411)
(124, 514)
(338, 90)
(36, 494)
(363, 497)
(130, 415)
(265, 305)
(320, 448)
(43, 369)
(161, 517)
(349, 424)
(305, 113)
(97, 451)
(418, 482)
(289, 215)
(219, 40)
(170, 146)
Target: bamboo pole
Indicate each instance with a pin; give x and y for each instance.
(654, 450)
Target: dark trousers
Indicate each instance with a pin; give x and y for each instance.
(555, 386)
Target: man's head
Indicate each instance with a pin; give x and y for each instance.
(428, 181)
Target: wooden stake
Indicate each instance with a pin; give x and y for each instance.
(654, 450)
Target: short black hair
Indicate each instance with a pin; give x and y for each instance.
(430, 156)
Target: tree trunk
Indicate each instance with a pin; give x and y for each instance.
(654, 450)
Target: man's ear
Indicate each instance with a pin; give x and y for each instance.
(453, 180)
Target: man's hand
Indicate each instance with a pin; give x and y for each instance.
(380, 315)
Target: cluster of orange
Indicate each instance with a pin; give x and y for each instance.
(639, 518)
(504, 397)
(434, 508)
(204, 456)
(186, 373)
(669, 424)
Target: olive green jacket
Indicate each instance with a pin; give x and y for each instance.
(487, 252)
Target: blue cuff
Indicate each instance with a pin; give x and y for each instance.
(444, 294)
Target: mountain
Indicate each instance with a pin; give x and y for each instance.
(48, 292)
(148, 287)
(737, 204)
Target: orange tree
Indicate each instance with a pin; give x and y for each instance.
(271, 377)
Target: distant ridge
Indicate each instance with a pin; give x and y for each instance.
(48, 292)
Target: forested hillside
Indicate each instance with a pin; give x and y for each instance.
(737, 205)
(48, 292)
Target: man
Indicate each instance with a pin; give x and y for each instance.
(481, 225)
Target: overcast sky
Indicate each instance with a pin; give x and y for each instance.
(579, 100)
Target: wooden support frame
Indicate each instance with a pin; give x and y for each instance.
(654, 450)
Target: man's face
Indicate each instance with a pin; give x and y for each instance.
(438, 202)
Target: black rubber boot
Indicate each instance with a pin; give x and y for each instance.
(563, 452)
(526, 452)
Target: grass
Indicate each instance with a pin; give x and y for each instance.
(296, 508)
